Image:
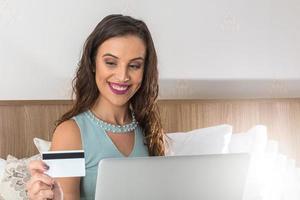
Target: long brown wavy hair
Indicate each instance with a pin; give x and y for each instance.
(144, 101)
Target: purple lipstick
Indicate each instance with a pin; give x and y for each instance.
(119, 88)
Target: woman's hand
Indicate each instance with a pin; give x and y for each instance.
(41, 186)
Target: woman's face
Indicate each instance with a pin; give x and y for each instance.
(119, 68)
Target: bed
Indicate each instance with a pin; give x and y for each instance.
(21, 121)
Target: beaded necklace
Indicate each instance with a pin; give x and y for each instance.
(124, 129)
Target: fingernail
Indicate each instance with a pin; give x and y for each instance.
(46, 167)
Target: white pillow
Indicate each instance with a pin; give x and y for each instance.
(41, 145)
(2, 167)
(272, 147)
(252, 141)
(210, 140)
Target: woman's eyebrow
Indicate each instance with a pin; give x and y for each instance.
(137, 58)
(109, 54)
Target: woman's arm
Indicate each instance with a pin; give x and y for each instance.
(67, 137)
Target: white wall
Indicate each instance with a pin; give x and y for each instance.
(41, 42)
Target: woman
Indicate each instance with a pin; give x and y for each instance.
(116, 85)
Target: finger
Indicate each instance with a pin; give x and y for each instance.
(57, 190)
(41, 195)
(38, 177)
(38, 186)
(37, 166)
(45, 194)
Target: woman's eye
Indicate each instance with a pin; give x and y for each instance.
(136, 66)
(110, 63)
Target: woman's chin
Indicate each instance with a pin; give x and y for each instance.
(120, 102)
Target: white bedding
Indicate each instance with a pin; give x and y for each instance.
(2, 167)
(272, 176)
(210, 140)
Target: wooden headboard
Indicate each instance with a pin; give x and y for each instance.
(21, 121)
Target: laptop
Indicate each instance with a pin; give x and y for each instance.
(204, 177)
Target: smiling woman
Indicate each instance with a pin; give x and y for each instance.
(119, 69)
(115, 112)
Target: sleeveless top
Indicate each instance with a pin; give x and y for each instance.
(97, 145)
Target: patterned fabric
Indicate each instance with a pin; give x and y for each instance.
(16, 174)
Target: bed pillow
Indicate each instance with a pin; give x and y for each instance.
(41, 145)
(252, 141)
(15, 176)
(2, 167)
(272, 147)
(210, 140)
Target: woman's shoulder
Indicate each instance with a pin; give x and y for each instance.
(66, 136)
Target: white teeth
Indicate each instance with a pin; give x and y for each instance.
(117, 87)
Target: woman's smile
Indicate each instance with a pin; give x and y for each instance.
(119, 88)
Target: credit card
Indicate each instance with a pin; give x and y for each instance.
(65, 163)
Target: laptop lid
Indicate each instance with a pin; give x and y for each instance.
(205, 177)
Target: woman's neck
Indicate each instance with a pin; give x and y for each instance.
(110, 113)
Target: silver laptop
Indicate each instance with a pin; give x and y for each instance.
(205, 177)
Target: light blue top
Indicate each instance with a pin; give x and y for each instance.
(97, 145)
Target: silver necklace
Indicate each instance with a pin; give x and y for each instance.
(127, 128)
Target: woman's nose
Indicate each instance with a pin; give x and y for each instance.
(122, 74)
